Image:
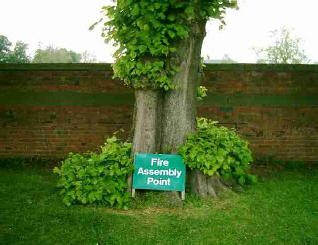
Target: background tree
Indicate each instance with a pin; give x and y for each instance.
(286, 49)
(159, 52)
(227, 60)
(17, 55)
(56, 55)
(88, 57)
(5, 45)
(76, 58)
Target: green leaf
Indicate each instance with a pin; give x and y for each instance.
(241, 180)
(189, 10)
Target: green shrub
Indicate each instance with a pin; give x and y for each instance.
(97, 178)
(217, 150)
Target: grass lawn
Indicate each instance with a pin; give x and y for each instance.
(281, 209)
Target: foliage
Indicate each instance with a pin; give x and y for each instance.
(201, 93)
(88, 57)
(5, 45)
(147, 34)
(56, 55)
(17, 55)
(47, 55)
(285, 49)
(97, 178)
(217, 150)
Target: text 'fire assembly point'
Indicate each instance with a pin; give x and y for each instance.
(159, 172)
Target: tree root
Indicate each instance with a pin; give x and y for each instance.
(207, 186)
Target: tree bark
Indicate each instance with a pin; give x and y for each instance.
(146, 123)
(162, 120)
(204, 185)
(179, 106)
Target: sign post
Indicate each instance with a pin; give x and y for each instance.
(159, 172)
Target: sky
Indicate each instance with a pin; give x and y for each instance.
(65, 23)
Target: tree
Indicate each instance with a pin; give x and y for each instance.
(88, 57)
(56, 55)
(284, 50)
(5, 45)
(159, 52)
(17, 55)
(227, 60)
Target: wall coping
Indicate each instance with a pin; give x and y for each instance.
(57, 67)
(107, 67)
(261, 67)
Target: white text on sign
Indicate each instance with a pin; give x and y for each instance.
(159, 172)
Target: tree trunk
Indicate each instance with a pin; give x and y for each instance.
(179, 106)
(180, 109)
(204, 185)
(146, 123)
(163, 120)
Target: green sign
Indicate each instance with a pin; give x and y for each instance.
(159, 172)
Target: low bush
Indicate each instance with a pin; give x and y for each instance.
(97, 178)
(217, 150)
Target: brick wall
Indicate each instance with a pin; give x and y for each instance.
(48, 110)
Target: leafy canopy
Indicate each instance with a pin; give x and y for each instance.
(285, 49)
(56, 55)
(146, 32)
(17, 55)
